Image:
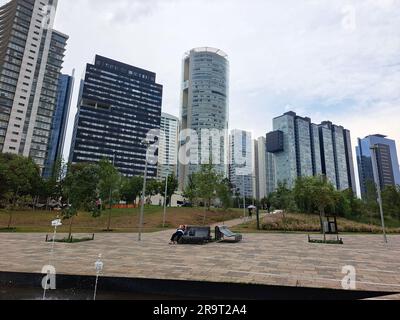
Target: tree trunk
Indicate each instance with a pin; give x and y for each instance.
(70, 227)
(322, 214)
(10, 220)
(109, 219)
(205, 213)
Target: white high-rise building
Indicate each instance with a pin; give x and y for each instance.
(31, 57)
(168, 148)
(260, 168)
(241, 167)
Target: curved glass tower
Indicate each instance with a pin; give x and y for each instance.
(204, 111)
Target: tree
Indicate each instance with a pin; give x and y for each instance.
(171, 188)
(192, 191)
(303, 194)
(153, 188)
(224, 193)
(324, 195)
(283, 198)
(80, 189)
(207, 180)
(131, 189)
(109, 182)
(371, 200)
(21, 176)
(391, 201)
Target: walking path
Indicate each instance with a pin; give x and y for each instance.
(267, 258)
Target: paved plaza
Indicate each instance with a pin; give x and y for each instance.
(270, 259)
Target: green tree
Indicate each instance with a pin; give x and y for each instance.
(109, 182)
(171, 188)
(303, 196)
(153, 187)
(371, 200)
(391, 201)
(324, 196)
(192, 191)
(80, 189)
(131, 189)
(21, 176)
(224, 193)
(283, 198)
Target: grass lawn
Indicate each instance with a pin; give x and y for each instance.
(311, 224)
(123, 220)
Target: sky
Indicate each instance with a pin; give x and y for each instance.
(326, 59)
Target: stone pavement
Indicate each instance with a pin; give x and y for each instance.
(270, 259)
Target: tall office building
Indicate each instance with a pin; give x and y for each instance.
(204, 110)
(31, 57)
(241, 169)
(337, 156)
(60, 122)
(271, 173)
(118, 106)
(387, 160)
(168, 147)
(302, 149)
(260, 168)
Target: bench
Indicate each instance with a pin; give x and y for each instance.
(223, 234)
(196, 235)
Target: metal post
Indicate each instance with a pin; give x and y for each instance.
(143, 198)
(165, 201)
(244, 200)
(378, 188)
(110, 199)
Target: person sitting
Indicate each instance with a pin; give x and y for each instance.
(177, 236)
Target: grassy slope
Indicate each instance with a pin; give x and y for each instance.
(123, 220)
(311, 223)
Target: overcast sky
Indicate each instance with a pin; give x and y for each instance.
(326, 59)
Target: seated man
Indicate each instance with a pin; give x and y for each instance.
(178, 235)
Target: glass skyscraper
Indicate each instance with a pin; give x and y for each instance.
(260, 168)
(168, 148)
(119, 105)
(300, 148)
(60, 122)
(387, 160)
(241, 167)
(205, 103)
(31, 57)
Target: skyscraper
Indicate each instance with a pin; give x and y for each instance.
(31, 57)
(60, 122)
(168, 147)
(204, 110)
(260, 168)
(387, 160)
(241, 168)
(118, 106)
(302, 149)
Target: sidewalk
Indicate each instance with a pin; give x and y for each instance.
(239, 221)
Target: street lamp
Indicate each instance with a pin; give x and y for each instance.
(378, 187)
(165, 199)
(144, 142)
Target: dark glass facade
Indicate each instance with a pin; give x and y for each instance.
(387, 161)
(118, 105)
(60, 122)
(301, 148)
